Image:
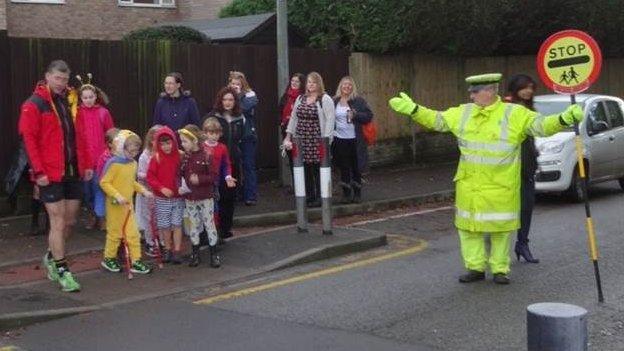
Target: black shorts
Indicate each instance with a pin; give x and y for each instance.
(57, 191)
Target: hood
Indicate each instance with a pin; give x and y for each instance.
(185, 94)
(44, 92)
(119, 141)
(174, 139)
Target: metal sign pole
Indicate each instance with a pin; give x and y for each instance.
(591, 236)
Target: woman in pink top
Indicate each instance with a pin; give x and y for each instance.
(93, 120)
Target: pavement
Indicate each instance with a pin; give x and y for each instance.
(27, 297)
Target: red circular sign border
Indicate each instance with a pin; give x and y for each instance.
(583, 85)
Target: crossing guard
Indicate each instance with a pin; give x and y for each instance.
(489, 133)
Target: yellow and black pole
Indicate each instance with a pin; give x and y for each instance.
(591, 234)
(569, 62)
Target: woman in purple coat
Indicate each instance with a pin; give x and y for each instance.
(175, 108)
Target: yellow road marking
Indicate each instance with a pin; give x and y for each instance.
(333, 270)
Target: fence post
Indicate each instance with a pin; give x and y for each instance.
(300, 191)
(326, 188)
(556, 327)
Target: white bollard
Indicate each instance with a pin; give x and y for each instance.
(300, 192)
(326, 189)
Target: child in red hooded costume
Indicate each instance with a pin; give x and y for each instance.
(163, 177)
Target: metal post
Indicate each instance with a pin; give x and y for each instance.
(326, 188)
(300, 191)
(556, 327)
(282, 76)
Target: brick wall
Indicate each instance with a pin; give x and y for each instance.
(200, 9)
(97, 19)
(3, 24)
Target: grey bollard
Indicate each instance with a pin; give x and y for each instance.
(326, 189)
(553, 326)
(300, 192)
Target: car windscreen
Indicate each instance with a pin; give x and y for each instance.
(546, 108)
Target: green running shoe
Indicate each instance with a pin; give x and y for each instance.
(52, 271)
(111, 265)
(139, 267)
(68, 282)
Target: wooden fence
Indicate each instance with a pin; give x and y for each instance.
(132, 74)
(438, 82)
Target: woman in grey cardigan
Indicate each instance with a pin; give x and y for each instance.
(312, 118)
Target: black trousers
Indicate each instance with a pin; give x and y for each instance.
(312, 181)
(345, 158)
(527, 200)
(227, 200)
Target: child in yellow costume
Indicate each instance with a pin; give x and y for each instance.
(119, 184)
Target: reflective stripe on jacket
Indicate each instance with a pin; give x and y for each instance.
(487, 182)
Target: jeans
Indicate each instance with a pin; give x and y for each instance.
(250, 178)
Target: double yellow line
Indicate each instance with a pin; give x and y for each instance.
(313, 275)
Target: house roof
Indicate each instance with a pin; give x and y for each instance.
(231, 28)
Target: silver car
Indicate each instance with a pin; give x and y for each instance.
(602, 132)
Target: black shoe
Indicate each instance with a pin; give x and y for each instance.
(347, 193)
(194, 260)
(215, 260)
(175, 258)
(500, 278)
(522, 250)
(357, 192)
(471, 276)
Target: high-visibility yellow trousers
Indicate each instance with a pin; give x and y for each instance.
(474, 252)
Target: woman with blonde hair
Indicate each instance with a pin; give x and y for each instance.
(248, 101)
(349, 148)
(312, 118)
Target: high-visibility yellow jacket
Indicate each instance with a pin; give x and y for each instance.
(487, 182)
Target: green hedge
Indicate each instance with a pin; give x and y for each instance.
(174, 33)
(468, 27)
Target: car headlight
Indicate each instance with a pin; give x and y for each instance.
(550, 147)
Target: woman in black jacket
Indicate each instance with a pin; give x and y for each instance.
(349, 147)
(520, 91)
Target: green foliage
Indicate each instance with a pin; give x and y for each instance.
(448, 27)
(173, 33)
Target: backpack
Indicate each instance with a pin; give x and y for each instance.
(369, 130)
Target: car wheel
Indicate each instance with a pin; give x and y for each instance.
(575, 191)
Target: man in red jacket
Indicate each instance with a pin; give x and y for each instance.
(58, 159)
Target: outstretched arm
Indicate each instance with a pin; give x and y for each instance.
(432, 119)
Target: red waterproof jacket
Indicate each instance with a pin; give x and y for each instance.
(40, 129)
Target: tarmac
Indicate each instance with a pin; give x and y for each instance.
(265, 240)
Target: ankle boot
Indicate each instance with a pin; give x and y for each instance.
(194, 260)
(357, 192)
(215, 260)
(347, 193)
(522, 249)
